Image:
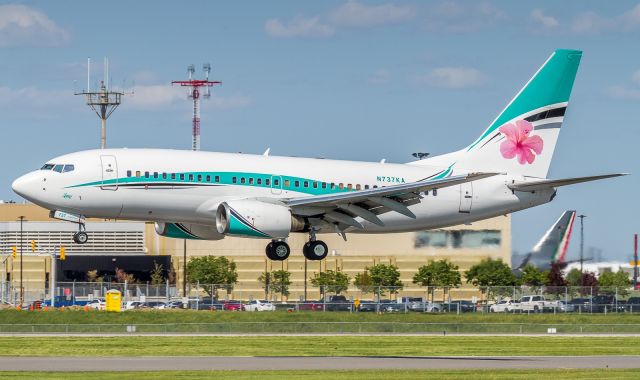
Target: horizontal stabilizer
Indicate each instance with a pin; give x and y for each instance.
(543, 184)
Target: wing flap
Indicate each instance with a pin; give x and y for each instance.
(544, 184)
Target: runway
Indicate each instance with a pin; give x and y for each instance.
(182, 363)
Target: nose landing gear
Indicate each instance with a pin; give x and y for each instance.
(81, 236)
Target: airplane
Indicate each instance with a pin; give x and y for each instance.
(207, 195)
(552, 247)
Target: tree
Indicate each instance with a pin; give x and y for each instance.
(157, 274)
(612, 282)
(438, 274)
(532, 276)
(385, 276)
(493, 276)
(573, 277)
(586, 283)
(216, 271)
(122, 276)
(364, 282)
(556, 284)
(276, 282)
(332, 281)
(92, 276)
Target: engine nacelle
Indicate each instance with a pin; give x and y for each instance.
(188, 231)
(252, 218)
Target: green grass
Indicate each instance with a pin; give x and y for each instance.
(337, 375)
(317, 345)
(186, 321)
(190, 316)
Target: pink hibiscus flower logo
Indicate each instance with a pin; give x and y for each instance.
(519, 143)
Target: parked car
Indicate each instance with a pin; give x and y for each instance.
(232, 305)
(388, 306)
(425, 306)
(582, 304)
(206, 304)
(175, 305)
(311, 306)
(535, 303)
(633, 304)
(338, 303)
(503, 306)
(97, 304)
(463, 305)
(130, 305)
(606, 302)
(368, 306)
(259, 305)
(566, 307)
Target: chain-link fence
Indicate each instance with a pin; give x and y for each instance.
(377, 299)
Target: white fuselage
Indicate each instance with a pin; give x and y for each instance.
(187, 187)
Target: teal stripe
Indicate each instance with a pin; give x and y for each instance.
(174, 232)
(238, 227)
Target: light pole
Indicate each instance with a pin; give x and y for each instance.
(21, 287)
(184, 268)
(581, 216)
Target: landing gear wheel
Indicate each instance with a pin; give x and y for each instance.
(315, 250)
(278, 250)
(80, 237)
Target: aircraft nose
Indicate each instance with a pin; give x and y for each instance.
(27, 185)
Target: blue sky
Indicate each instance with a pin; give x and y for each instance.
(349, 80)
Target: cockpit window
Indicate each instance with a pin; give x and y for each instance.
(58, 168)
(47, 167)
(68, 168)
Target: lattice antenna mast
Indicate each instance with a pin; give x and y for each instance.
(103, 101)
(193, 93)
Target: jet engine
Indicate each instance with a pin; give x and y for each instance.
(254, 218)
(188, 231)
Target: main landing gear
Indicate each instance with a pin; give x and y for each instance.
(81, 236)
(279, 250)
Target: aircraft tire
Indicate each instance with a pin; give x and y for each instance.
(278, 250)
(80, 237)
(315, 250)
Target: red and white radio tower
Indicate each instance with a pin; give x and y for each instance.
(194, 94)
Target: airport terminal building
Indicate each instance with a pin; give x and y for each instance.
(136, 248)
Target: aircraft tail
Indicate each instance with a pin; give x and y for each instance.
(522, 139)
(554, 244)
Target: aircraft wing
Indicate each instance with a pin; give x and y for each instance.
(543, 184)
(344, 207)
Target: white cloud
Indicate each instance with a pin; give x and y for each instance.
(24, 26)
(451, 16)
(623, 92)
(635, 77)
(299, 26)
(33, 97)
(547, 21)
(454, 77)
(160, 96)
(593, 23)
(358, 15)
(379, 77)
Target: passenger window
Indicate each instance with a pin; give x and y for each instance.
(375, 186)
(315, 184)
(138, 173)
(259, 181)
(234, 179)
(173, 175)
(341, 186)
(68, 168)
(350, 186)
(324, 185)
(366, 187)
(305, 183)
(181, 177)
(296, 183)
(434, 192)
(146, 174)
(58, 168)
(333, 185)
(208, 178)
(287, 183)
(155, 175)
(164, 175)
(250, 181)
(268, 182)
(217, 178)
(242, 180)
(199, 177)
(190, 177)
(128, 173)
(47, 167)
(358, 187)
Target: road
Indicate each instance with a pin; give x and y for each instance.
(311, 363)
